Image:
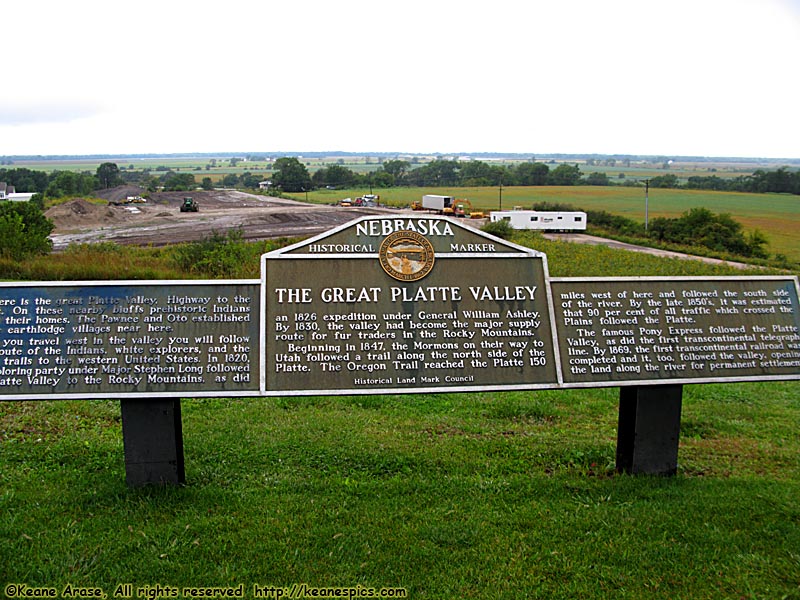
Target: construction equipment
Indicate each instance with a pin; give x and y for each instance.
(463, 208)
(189, 205)
(367, 200)
(128, 200)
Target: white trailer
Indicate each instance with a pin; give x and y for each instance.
(542, 220)
(438, 203)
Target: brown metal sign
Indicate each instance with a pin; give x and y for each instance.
(616, 331)
(387, 305)
(129, 339)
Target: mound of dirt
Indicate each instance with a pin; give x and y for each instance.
(118, 193)
(159, 220)
(80, 214)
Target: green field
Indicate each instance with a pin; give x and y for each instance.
(775, 215)
(481, 495)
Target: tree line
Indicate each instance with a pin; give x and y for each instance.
(289, 174)
(292, 176)
(60, 184)
(780, 180)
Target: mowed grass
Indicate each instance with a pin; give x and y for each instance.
(485, 495)
(776, 215)
(479, 495)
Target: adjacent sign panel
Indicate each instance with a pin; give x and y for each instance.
(129, 339)
(625, 330)
(388, 305)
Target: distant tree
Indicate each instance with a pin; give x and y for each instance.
(179, 182)
(382, 179)
(478, 173)
(711, 182)
(108, 175)
(207, 184)
(396, 168)
(565, 174)
(230, 180)
(531, 174)
(68, 183)
(780, 180)
(664, 181)
(250, 180)
(25, 180)
(335, 175)
(438, 172)
(291, 175)
(597, 179)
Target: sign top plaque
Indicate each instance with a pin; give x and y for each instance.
(363, 238)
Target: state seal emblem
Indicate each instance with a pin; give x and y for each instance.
(406, 255)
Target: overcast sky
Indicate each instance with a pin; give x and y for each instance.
(682, 77)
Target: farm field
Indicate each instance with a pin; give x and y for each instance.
(775, 215)
(262, 164)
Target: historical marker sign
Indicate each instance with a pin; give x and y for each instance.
(677, 330)
(129, 339)
(392, 305)
(408, 304)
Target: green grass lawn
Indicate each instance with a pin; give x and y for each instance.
(485, 495)
(479, 495)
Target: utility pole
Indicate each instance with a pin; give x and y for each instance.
(646, 201)
(501, 194)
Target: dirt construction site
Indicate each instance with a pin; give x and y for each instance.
(159, 221)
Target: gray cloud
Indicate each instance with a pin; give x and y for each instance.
(15, 112)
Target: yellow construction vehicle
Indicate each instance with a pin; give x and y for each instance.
(463, 208)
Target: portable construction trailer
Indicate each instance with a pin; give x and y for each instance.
(438, 203)
(542, 220)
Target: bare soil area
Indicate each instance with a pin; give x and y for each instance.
(159, 221)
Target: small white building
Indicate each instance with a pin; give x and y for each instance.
(5, 190)
(542, 220)
(21, 196)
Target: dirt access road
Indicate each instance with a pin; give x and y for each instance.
(159, 221)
